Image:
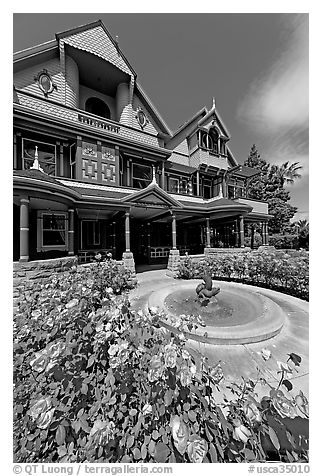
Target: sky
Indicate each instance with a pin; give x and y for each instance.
(254, 65)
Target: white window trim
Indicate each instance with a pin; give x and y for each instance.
(40, 245)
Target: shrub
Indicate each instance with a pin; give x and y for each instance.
(97, 382)
(286, 272)
(284, 241)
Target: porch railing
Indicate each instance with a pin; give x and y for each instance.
(87, 256)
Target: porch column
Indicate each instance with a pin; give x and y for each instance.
(127, 231)
(207, 233)
(252, 236)
(162, 177)
(24, 229)
(265, 233)
(149, 240)
(174, 255)
(71, 232)
(174, 232)
(241, 231)
(127, 256)
(128, 172)
(198, 184)
(236, 234)
(114, 239)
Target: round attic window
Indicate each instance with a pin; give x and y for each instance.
(45, 82)
(141, 118)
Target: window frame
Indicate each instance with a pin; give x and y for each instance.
(178, 184)
(40, 231)
(147, 181)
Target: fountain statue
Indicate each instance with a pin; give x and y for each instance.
(205, 291)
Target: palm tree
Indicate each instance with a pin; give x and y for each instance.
(287, 173)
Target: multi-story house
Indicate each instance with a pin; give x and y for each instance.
(97, 169)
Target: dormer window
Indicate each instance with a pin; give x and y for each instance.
(209, 141)
(98, 107)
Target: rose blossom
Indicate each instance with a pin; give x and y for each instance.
(44, 419)
(251, 412)
(302, 404)
(39, 363)
(39, 407)
(156, 368)
(102, 432)
(54, 350)
(283, 405)
(197, 449)
(113, 349)
(170, 356)
(42, 413)
(180, 433)
(72, 303)
(147, 409)
(241, 433)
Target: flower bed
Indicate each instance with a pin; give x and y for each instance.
(97, 382)
(285, 272)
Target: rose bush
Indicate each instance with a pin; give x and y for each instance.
(285, 272)
(95, 381)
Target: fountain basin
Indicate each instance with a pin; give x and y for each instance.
(234, 316)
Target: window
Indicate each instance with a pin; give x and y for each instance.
(184, 186)
(207, 188)
(98, 107)
(141, 174)
(46, 155)
(173, 185)
(91, 235)
(52, 231)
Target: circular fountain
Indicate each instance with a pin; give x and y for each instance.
(229, 315)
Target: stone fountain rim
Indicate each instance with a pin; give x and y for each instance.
(268, 324)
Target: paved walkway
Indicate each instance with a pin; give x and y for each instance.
(244, 360)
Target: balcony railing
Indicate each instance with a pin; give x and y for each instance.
(258, 206)
(75, 117)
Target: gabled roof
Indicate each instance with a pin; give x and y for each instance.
(149, 104)
(153, 194)
(96, 39)
(196, 121)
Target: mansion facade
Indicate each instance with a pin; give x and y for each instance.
(97, 169)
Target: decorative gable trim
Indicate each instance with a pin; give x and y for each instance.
(95, 39)
(153, 191)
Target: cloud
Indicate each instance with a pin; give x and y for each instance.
(279, 100)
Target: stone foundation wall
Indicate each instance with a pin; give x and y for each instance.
(25, 275)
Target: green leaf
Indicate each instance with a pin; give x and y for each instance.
(287, 384)
(213, 453)
(296, 359)
(91, 361)
(136, 453)
(60, 435)
(274, 438)
(161, 452)
(249, 454)
(130, 441)
(192, 415)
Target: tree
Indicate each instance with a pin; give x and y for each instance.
(287, 173)
(303, 232)
(269, 186)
